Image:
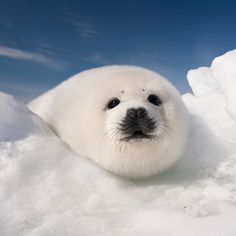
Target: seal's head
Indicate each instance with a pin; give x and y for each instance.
(129, 120)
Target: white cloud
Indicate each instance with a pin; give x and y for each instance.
(35, 57)
(97, 58)
(22, 91)
(83, 24)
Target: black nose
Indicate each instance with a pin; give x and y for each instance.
(136, 113)
(137, 124)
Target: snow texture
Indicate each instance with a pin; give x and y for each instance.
(223, 68)
(46, 189)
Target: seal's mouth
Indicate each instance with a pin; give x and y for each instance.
(137, 136)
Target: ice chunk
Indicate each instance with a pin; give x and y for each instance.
(224, 70)
(17, 121)
(202, 81)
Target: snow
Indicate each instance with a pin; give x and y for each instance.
(223, 68)
(16, 121)
(46, 189)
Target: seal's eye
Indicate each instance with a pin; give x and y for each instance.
(113, 103)
(154, 100)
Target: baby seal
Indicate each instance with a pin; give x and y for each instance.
(127, 119)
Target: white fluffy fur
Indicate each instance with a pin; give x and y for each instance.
(75, 111)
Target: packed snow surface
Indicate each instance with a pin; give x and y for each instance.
(46, 189)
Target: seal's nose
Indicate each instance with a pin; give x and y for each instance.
(136, 113)
(137, 124)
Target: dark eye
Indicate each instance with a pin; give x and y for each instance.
(154, 100)
(113, 103)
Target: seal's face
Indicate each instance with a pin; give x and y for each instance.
(134, 107)
(141, 121)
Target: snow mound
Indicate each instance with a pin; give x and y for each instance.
(16, 121)
(224, 70)
(202, 82)
(46, 189)
(220, 77)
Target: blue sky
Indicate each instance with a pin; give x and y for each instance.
(45, 42)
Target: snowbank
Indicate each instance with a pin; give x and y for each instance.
(220, 77)
(46, 189)
(224, 70)
(16, 121)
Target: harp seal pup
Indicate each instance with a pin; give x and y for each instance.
(127, 119)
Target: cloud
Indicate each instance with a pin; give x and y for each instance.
(97, 58)
(82, 23)
(35, 57)
(23, 92)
